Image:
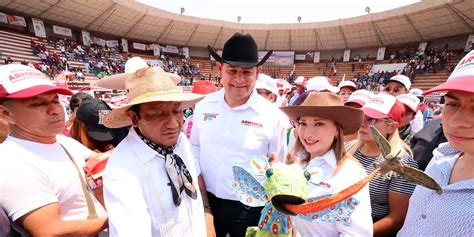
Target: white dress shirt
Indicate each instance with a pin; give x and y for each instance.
(137, 195)
(330, 183)
(223, 137)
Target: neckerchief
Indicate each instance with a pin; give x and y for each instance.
(178, 175)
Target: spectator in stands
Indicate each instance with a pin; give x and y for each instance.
(397, 85)
(151, 180)
(452, 164)
(321, 84)
(41, 171)
(243, 113)
(346, 88)
(412, 104)
(389, 198)
(300, 83)
(8, 60)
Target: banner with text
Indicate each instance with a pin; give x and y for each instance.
(469, 44)
(124, 45)
(112, 43)
(3, 18)
(59, 30)
(139, 46)
(381, 53)
(317, 57)
(38, 26)
(170, 49)
(86, 38)
(98, 41)
(278, 58)
(300, 57)
(347, 55)
(156, 49)
(16, 20)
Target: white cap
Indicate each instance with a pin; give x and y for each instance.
(19, 81)
(360, 97)
(320, 83)
(266, 82)
(416, 92)
(402, 79)
(347, 84)
(410, 101)
(300, 80)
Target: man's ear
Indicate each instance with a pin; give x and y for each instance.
(219, 68)
(134, 117)
(6, 114)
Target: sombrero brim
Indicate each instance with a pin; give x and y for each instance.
(117, 81)
(118, 117)
(236, 63)
(349, 118)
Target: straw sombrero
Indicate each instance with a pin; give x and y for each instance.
(117, 81)
(327, 105)
(150, 84)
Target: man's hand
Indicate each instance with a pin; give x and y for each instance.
(211, 232)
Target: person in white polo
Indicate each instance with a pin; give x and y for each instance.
(42, 182)
(230, 126)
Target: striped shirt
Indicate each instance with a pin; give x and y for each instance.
(378, 187)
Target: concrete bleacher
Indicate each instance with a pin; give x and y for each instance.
(18, 48)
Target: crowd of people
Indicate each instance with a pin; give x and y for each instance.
(171, 163)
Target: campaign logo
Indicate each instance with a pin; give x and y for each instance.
(251, 124)
(209, 117)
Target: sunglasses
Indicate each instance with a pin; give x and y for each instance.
(263, 92)
(394, 89)
(372, 121)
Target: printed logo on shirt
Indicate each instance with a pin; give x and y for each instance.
(251, 124)
(209, 116)
(324, 185)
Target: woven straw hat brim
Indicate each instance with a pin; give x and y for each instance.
(118, 118)
(349, 118)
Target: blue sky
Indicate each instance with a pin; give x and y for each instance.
(276, 11)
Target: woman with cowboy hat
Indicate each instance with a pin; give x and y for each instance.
(151, 179)
(323, 120)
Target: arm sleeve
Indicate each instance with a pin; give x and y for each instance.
(398, 184)
(17, 200)
(194, 138)
(361, 218)
(278, 142)
(126, 206)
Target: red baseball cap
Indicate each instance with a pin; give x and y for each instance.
(203, 87)
(461, 79)
(19, 82)
(384, 106)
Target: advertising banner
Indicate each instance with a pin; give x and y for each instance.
(381, 53)
(278, 58)
(16, 20)
(38, 26)
(124, 45)
(59, 30)
(86, 38)
(347, 55)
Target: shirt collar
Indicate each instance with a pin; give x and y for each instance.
(328, 158)
(142, 150)
(255, 101)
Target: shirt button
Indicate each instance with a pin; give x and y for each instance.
(423, 216)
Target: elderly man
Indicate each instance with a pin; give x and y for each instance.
(151, 179)
(231, 125)
(42, 185)
(449, 214)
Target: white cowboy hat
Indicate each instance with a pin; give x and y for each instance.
(117, 81)
(150, 84)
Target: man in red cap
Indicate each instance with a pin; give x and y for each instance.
(41, 178)
(430, 214)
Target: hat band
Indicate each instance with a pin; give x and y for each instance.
(153, 94)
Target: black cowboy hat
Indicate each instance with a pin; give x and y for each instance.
(240, 51)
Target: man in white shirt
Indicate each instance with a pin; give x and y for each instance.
(231, 125)
(151, 179)
(42, 184)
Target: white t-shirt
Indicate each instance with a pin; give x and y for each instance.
(33, 175)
